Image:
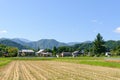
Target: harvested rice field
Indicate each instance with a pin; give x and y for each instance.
(53, 70)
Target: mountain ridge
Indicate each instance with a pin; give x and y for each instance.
(42, 43)
(50, 43)
(9, 42)
(46, 43)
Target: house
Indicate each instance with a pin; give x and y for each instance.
(46, 54)
(26, 52)
(57, 55)
(39, 52)
(43, 53)
(63, 54)
(107, 54)
(75, 53)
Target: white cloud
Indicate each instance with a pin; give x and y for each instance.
(3, 31)
(117, 30)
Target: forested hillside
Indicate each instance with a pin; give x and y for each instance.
(8, 42)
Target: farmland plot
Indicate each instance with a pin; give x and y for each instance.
(52, 70)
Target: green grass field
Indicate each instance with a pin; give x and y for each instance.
(96, 61)
(4, 61)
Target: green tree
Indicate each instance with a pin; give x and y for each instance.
(48, 50)
(99, 47)
(63, 49)
(38, 49)
(116, 51)
(12, 51)
(2, 50)
(54, 51)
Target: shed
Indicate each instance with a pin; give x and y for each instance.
(107, 54)
(43, 53)
(26, 52)
(63, 54)
(75, 53)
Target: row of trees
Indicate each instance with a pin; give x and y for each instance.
(8, 51)
(96, 48)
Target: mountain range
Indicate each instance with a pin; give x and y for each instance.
(9, 42)
(50, 43)
(21, 43)
(24, 43)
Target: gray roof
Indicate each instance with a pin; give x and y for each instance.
(27, 50)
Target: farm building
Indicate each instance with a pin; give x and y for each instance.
(63, 54)
(26, 52)
(107, 54)
(57, 55)
(75, 53)
(43, 53)
(39, 52)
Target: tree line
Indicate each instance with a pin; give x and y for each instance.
(8, 51)
(96, 48)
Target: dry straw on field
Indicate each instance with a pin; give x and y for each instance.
(52, 70)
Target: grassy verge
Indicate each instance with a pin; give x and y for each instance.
(96, 61)
(58, 59)
(102, 63)
(4, 61)
(33, 58)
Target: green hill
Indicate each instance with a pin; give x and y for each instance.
(45, 43)
(8, 42)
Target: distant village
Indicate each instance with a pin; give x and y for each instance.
(97, 48)
(44, 53)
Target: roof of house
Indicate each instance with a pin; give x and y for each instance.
(65, 52)
(27, 50)
(46, 53)
(40, 51)
(75, 52)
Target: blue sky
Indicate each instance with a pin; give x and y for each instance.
(63, 20)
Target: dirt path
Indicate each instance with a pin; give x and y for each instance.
(51, 70)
